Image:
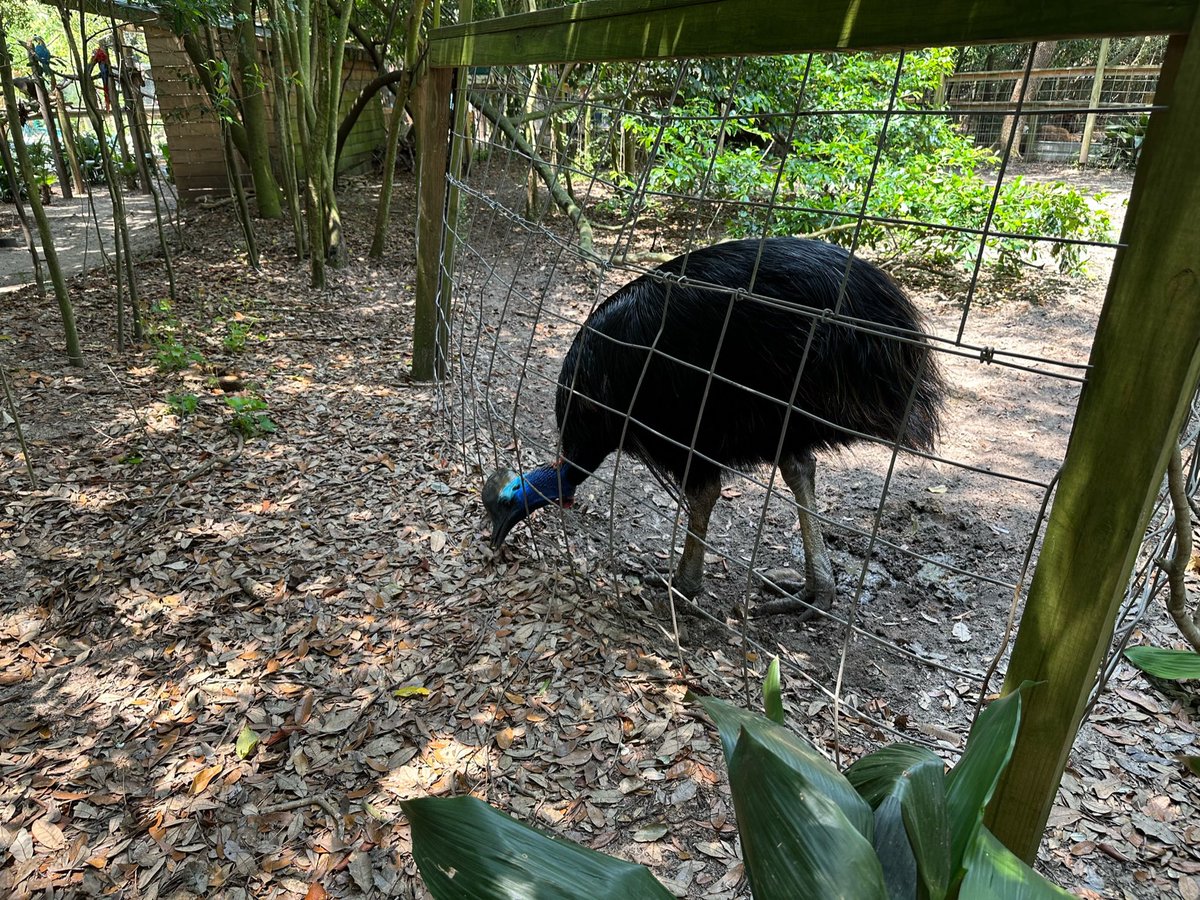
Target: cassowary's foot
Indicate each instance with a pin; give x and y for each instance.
(800, 599)
(675, 587)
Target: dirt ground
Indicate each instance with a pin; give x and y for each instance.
(225, 658)
(76, 237)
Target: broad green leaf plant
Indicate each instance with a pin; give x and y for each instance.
(896, 824)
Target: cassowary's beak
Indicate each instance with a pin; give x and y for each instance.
(504, 515)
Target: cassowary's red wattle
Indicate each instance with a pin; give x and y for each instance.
(744, 353)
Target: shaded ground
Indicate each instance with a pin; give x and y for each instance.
(76, 237)
(177, 586)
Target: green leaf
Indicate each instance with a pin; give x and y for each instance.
(995, 873)
(468, 851)
(796, 842)
(772, 696)
(970, 784)
(1172, 665)
(247, 742)
(907, 787)
(795, 752)
(412, 690)
(893, 850)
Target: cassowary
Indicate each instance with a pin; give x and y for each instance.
(749, 312)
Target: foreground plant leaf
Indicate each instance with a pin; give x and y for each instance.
(906, 786)
(995, 873)
(772, 694)
(796, 842)
(970, 784)
(1171, 665)
(794, 752)
(468, 851)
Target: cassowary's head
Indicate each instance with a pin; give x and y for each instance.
(510, 497)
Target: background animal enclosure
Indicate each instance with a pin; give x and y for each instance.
(647, 167)
(954, 528)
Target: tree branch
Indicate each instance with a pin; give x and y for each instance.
(1176, 567)
(373, 87)
(562, 199)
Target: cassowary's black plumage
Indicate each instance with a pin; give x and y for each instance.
(648, 352)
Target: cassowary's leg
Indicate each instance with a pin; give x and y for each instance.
(818, 589)
(690, 574)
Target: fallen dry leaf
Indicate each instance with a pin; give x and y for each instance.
(204, 777)
(48, 834)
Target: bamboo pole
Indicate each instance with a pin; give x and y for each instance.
(1097, 85)
(69, 140)
(1145, 364)
(70, 335)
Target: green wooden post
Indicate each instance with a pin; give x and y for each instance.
(1145, 365)
(459, 146)
(430, 337)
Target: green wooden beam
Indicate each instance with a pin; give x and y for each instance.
(1145, 364)
(133, 13)
(657, 29)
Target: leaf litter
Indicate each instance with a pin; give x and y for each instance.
(224, 660)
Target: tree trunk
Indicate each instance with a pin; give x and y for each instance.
(74, 354)
(383, 211)
(411, 53)
(314, 38)
(47, 109)
(120, 221)
(14, 183)
(284, 122)
(1042, 54)
(254, 111)
(68, 133)
(131, 179)
(225, 115)
(561, 198)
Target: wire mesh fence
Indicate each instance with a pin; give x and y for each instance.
(930, 545)
(1059, 104)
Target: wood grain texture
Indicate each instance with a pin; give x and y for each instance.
(1145, 365)
(432, 101)
(657, 29)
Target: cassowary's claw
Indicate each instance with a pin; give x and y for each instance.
(674, 585)
(799, 600)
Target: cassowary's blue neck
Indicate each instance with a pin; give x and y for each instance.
(540, 487)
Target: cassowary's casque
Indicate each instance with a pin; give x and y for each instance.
(648, 351)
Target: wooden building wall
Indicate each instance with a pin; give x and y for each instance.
(194, 135)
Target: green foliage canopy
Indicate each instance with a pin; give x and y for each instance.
(805, 144)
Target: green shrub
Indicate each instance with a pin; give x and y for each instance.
(41, 160)
(164, 153)
(182, 404)
(895, 824)
(170, 355)
(91, 163)
(1123, 139)
(809, 173)
(249, 416)
(235, 336)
